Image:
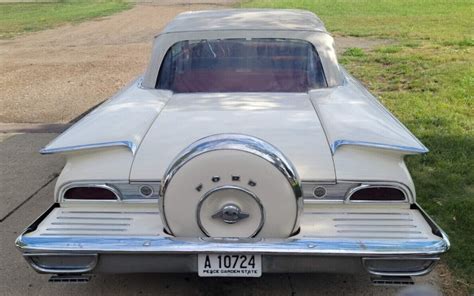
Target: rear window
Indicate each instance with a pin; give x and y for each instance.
(241, 65)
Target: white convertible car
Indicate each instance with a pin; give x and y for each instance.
(245, 148)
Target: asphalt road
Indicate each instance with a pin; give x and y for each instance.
(27, 179)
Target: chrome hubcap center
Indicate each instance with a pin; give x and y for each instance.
(230, 213)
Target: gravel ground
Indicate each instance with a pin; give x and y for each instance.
(55, 75)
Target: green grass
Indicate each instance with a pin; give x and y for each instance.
(354, 52)
(426, 78)
(19, 18)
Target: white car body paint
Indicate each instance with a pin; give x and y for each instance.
(336, 134)
(165, 123)
(287, 121)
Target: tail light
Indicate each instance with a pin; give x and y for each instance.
(91, 193)
(377, 193)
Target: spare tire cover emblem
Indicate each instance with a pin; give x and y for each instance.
(231, 214)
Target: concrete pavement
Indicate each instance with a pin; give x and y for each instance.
(24, 171)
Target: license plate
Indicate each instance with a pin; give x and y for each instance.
(229, 265)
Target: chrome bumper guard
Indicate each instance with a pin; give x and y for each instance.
(120, 254)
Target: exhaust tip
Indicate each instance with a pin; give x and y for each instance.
(392, 281)
(69, 278)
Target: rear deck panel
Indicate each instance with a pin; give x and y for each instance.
(322, 222)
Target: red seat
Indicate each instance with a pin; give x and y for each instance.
(241, 81)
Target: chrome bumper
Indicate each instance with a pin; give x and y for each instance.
(161, 253)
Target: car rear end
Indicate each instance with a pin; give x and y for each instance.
(202, 167)
(381, 241)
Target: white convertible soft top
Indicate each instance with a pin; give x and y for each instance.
(248, 24)
(245, 19)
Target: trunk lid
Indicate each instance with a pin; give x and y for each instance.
(288, 121)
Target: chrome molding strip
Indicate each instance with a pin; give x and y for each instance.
(373, 219)
(131, 192)
(434, 227)
(408, 149)
(333, 192)
(126, 192)
(110, 212)
(90, 224)
(375, 226)
(356, 213)
(240, 142)
(93, 218)
(84, 229)
(351, 186)
(365, 237)
(129, 144)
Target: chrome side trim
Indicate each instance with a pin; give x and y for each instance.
(335, 192)
(434, 227)
(364, 186)
(131, 191)
(427, 270)
(347, 187)
(198, 209)
(240, 142)
(410, 150)
(128, 144)
(126, 192)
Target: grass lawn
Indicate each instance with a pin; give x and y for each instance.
(426, 78)
(17, 18)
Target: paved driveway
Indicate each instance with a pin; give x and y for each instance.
(55, 75)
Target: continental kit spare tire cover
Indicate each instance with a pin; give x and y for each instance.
(231, 185)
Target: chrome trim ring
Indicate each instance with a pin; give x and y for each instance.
(238, 142)
(365, 185)
(251, 194)
(321, 194)
(146, 195)
(68, 186)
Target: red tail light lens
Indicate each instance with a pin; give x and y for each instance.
(378, 194)
(90, 193)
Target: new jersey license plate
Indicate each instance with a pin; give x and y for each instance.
(229, 265)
